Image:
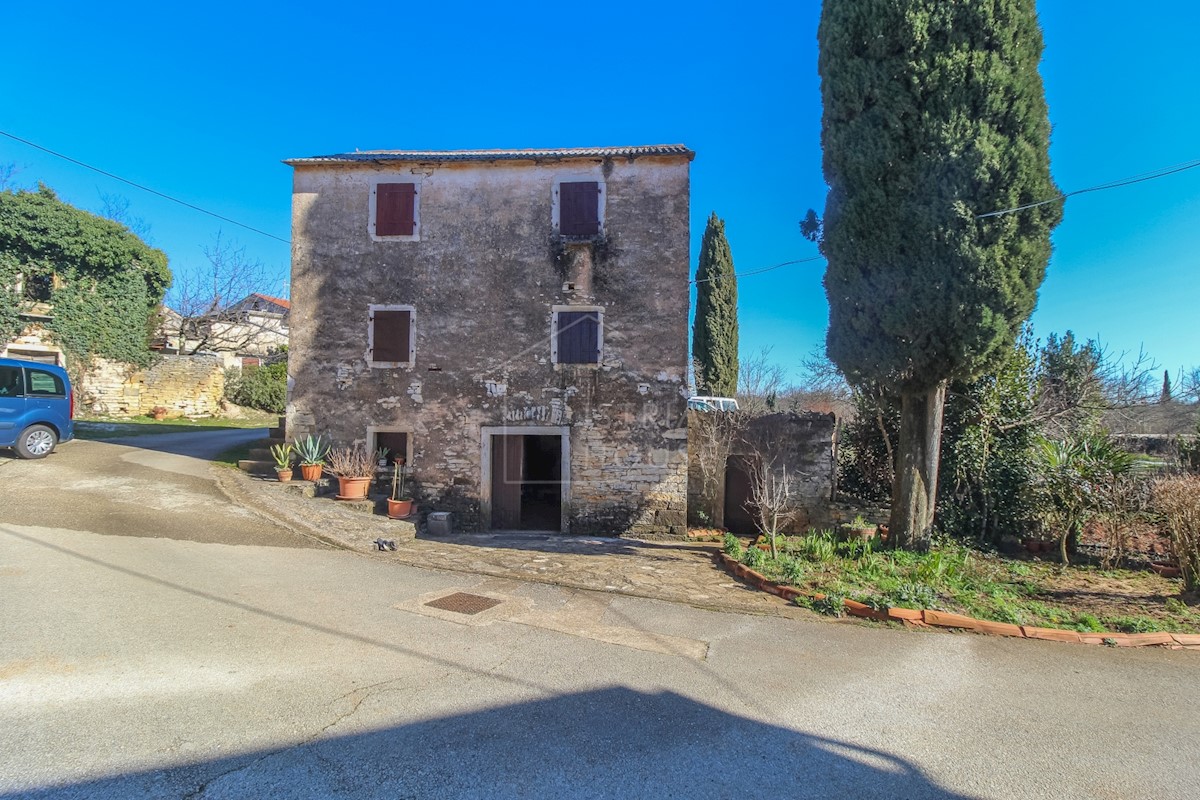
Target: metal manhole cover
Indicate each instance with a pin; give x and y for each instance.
(463, 603)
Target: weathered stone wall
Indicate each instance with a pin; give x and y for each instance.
(184, 385)
(801, 444)
(483, 278)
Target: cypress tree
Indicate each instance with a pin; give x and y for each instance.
(1166, 395)
(934, 113)
(715, 330)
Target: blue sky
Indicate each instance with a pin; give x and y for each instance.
(202, 101)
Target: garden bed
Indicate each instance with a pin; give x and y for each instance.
(985, 586)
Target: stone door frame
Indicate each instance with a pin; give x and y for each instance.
(485, 460)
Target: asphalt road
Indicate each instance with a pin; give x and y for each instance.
(173, 653)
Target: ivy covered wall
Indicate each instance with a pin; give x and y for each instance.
(105, 284)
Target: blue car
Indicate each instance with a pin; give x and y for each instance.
(37, 406)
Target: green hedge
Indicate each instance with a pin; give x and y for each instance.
(264, 388)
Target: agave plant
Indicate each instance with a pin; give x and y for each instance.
(311, 450)
(282, 453)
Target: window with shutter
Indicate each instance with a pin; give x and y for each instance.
(395, 209)
(390, 336)
(577, 336)
(579, 208)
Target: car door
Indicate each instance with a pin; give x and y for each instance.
(45, 396)
(12, 403)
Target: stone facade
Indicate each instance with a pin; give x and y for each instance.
(190, 386)
(483, 273)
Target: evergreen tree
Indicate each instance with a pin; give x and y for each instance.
(1166, 397)
(715, 330)
(934, 113)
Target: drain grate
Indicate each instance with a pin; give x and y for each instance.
(463, 603)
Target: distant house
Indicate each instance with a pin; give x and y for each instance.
(252, 328)
(513, 323)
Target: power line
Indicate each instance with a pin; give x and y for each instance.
(145, 188)
(1145, 176)
(760, 271)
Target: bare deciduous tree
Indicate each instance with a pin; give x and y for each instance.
(712, 437)
(206, 301)
(116, 208)
(761, 383)
(771, 502)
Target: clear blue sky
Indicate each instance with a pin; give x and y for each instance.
(201, 101)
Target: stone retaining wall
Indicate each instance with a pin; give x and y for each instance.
(190, 386)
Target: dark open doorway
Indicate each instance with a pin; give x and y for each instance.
(527, 482)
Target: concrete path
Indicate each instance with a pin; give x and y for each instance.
(147, 666)
(681, 572)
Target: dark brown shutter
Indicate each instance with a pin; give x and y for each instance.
(579, 208)
(389, 335)
(395, 209)
(578, 337)
(508, 459)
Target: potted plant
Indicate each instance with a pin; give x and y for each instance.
(282, 453)
(859, 528)
(400, 505)
(312, 452)
(354, 468)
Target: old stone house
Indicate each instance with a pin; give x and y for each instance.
(513, 323)
(240, 333)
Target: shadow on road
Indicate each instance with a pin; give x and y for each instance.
(569, 543)
(199, 443)
(613, 742)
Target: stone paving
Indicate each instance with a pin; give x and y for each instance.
(683, 572)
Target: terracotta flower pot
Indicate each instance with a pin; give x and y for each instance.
(399, 509)
(1166, 570)
(353, 488)
(311, 472)
(284, 475)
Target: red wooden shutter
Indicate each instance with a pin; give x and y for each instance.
(395, 209)
(578, 337)
(390, 335)
(579, 208)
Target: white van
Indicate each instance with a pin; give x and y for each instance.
(712, 404)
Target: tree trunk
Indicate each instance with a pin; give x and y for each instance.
(914, 484)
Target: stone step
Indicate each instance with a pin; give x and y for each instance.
(256, 466)
(260, 454)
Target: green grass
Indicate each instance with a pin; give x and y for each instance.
(123, 427)
(952, 577)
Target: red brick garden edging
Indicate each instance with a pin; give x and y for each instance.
(914, 618)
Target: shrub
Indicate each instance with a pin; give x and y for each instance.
(264, 388)
(793, 570)
(1178, 501)
(754, 558)
(913, 595)
(732, 546)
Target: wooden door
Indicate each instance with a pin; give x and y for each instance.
(508, 469)
(739, 518)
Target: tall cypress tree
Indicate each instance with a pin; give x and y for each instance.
(715, 330)
(934, 113)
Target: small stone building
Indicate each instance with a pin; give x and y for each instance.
(512, 323)
(801, 445)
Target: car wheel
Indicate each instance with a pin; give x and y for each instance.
(36, 441)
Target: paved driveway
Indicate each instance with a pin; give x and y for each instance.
(204, 663)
